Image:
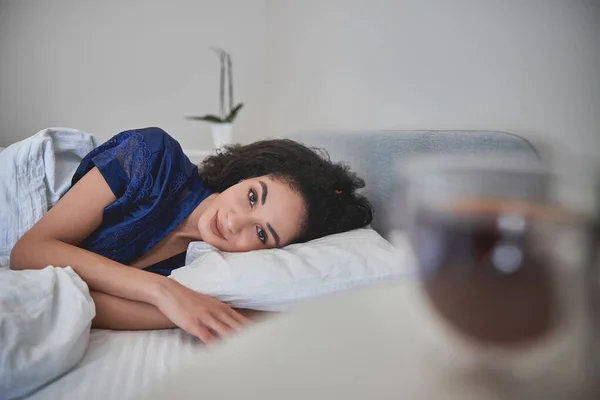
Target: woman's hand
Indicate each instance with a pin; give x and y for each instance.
(196, 313)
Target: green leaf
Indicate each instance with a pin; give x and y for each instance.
(231, 117)
(208, 118)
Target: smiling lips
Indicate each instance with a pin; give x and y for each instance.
(214, 226)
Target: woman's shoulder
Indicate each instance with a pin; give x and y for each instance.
(132, 156)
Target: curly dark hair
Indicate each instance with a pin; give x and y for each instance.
(328, 188)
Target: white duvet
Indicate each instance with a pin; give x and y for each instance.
(34, 174)
(45, 315)
(45, 320)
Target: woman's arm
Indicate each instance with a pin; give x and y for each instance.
(54, 239)
(122, 314)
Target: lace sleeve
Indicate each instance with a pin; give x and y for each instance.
(125, 162)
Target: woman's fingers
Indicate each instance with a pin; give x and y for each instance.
(225, 321)
(196, 313)
(218, 326)
(202, 333)
(240, 318)
(221, 322)
(228, 319)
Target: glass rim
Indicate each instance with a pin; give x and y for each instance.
(498, 177)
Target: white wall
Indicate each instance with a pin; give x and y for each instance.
(105, 66)
(531, 67)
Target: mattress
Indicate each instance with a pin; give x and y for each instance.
(125, 365)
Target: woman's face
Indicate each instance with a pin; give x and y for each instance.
(257, 213)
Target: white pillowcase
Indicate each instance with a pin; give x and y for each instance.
(278, 279)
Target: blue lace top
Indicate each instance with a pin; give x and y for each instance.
(156, 187)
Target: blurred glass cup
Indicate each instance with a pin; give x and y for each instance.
(506, 249)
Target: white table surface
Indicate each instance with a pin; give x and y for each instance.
(380, 343)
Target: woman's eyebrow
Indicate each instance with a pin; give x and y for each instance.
(263, 199)
(265, 190)
(275, 235)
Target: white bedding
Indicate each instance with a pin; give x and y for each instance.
(125, 365)
(45, 319)
(34, 174)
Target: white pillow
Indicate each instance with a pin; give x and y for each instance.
(277, 279)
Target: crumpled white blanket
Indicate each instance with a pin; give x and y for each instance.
(34, 174)
(45, 320)
(45, 315)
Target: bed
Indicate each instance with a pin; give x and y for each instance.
(131, 365)
(124, 365)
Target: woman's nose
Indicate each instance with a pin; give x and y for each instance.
(236, 221)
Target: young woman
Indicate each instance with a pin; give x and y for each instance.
(137, 201)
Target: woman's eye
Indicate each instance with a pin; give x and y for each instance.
(261, 235)
(252, 197)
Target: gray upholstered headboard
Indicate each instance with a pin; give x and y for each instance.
(372, 154)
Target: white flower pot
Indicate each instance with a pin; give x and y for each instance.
(222, 134)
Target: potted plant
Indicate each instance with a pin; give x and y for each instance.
(221, 126)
